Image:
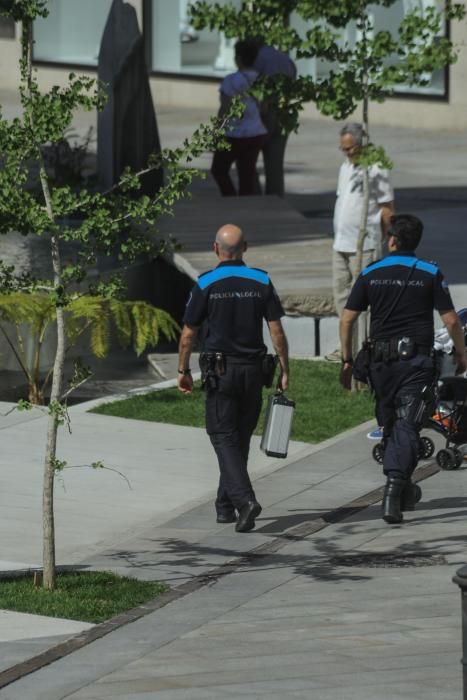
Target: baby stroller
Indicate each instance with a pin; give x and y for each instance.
(451, 421)
(450, 418)
(446, 407)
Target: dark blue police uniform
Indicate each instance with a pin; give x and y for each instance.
(231, 302)
(401, 291)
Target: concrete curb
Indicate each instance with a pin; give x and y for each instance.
(86, 406)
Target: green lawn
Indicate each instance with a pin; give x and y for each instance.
(89, 596)
(323, 408)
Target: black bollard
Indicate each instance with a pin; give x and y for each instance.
(317, 319)
(461, 579)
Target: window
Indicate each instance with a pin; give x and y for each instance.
(383, 18)
(7, 28)
(178, 48)
(72, 31)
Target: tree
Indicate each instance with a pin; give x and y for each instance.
(361, 72)
(119, 221)
(365, 70)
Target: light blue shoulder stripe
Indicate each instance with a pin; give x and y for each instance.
(221, 273)
(405, 261)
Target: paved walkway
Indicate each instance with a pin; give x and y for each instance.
(319, 601)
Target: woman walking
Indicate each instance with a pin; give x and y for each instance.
(245, 135)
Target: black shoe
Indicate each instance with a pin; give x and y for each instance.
(392, 500)
(410, 496)
(247, 515)
(225, 518)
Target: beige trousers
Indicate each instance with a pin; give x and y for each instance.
(344, 273)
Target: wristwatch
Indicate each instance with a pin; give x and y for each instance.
(348, 361)
(184, 371)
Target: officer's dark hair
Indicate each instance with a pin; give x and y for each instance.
(247, 51)
(407, 230)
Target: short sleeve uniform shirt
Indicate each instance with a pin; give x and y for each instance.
(379, 286)
(231, 303)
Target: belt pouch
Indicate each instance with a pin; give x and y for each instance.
(361, 363)
(269, 365)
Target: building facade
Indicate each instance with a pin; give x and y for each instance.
(187, 66)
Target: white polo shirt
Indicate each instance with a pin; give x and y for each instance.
(349, 205)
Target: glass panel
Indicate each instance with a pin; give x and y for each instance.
(72, 32)
(383, 18)
(178, 48)
(7, 28)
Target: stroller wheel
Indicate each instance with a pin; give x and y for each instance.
(378, 452)
(459, 457)
(446, 459)
(426, 448)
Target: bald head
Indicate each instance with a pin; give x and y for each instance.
(229, 243)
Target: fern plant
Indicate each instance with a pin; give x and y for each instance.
(25, 320)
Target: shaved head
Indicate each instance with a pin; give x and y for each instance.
(230, 244)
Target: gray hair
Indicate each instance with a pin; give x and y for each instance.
(355, 130)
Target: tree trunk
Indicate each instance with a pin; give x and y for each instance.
(48, 524)
(361, 330)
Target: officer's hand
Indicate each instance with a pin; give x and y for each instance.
(185, 383)
(346, 376)
(283, 383)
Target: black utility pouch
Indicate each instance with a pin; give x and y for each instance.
(361, 365)
(406, 348)
(207, 364)
(269, 369)
(203, 365)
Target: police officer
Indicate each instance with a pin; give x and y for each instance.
(231, 302)
(401, 291)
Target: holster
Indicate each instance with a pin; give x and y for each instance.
(269, 369)
(212, 366)
(361, 365)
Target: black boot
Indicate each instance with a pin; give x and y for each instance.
(410, 496)
(392, 500)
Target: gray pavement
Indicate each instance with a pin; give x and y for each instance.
(356, 609)
(352, 609)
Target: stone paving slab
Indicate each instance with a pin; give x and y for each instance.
(297, 621)
(95, 507)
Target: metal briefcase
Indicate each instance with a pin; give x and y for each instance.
(277, 426)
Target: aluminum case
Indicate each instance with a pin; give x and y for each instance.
(277, 426)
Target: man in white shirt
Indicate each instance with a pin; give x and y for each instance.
(347, 216)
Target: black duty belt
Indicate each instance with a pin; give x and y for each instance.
(233, 359)
(403, 348)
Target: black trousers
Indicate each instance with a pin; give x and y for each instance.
(399, 386)
(232, 412)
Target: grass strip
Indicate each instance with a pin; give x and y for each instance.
(88, 596)
(323, 408)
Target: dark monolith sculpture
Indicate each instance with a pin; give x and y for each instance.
(127, 127)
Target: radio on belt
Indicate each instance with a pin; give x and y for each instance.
(277, 426)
